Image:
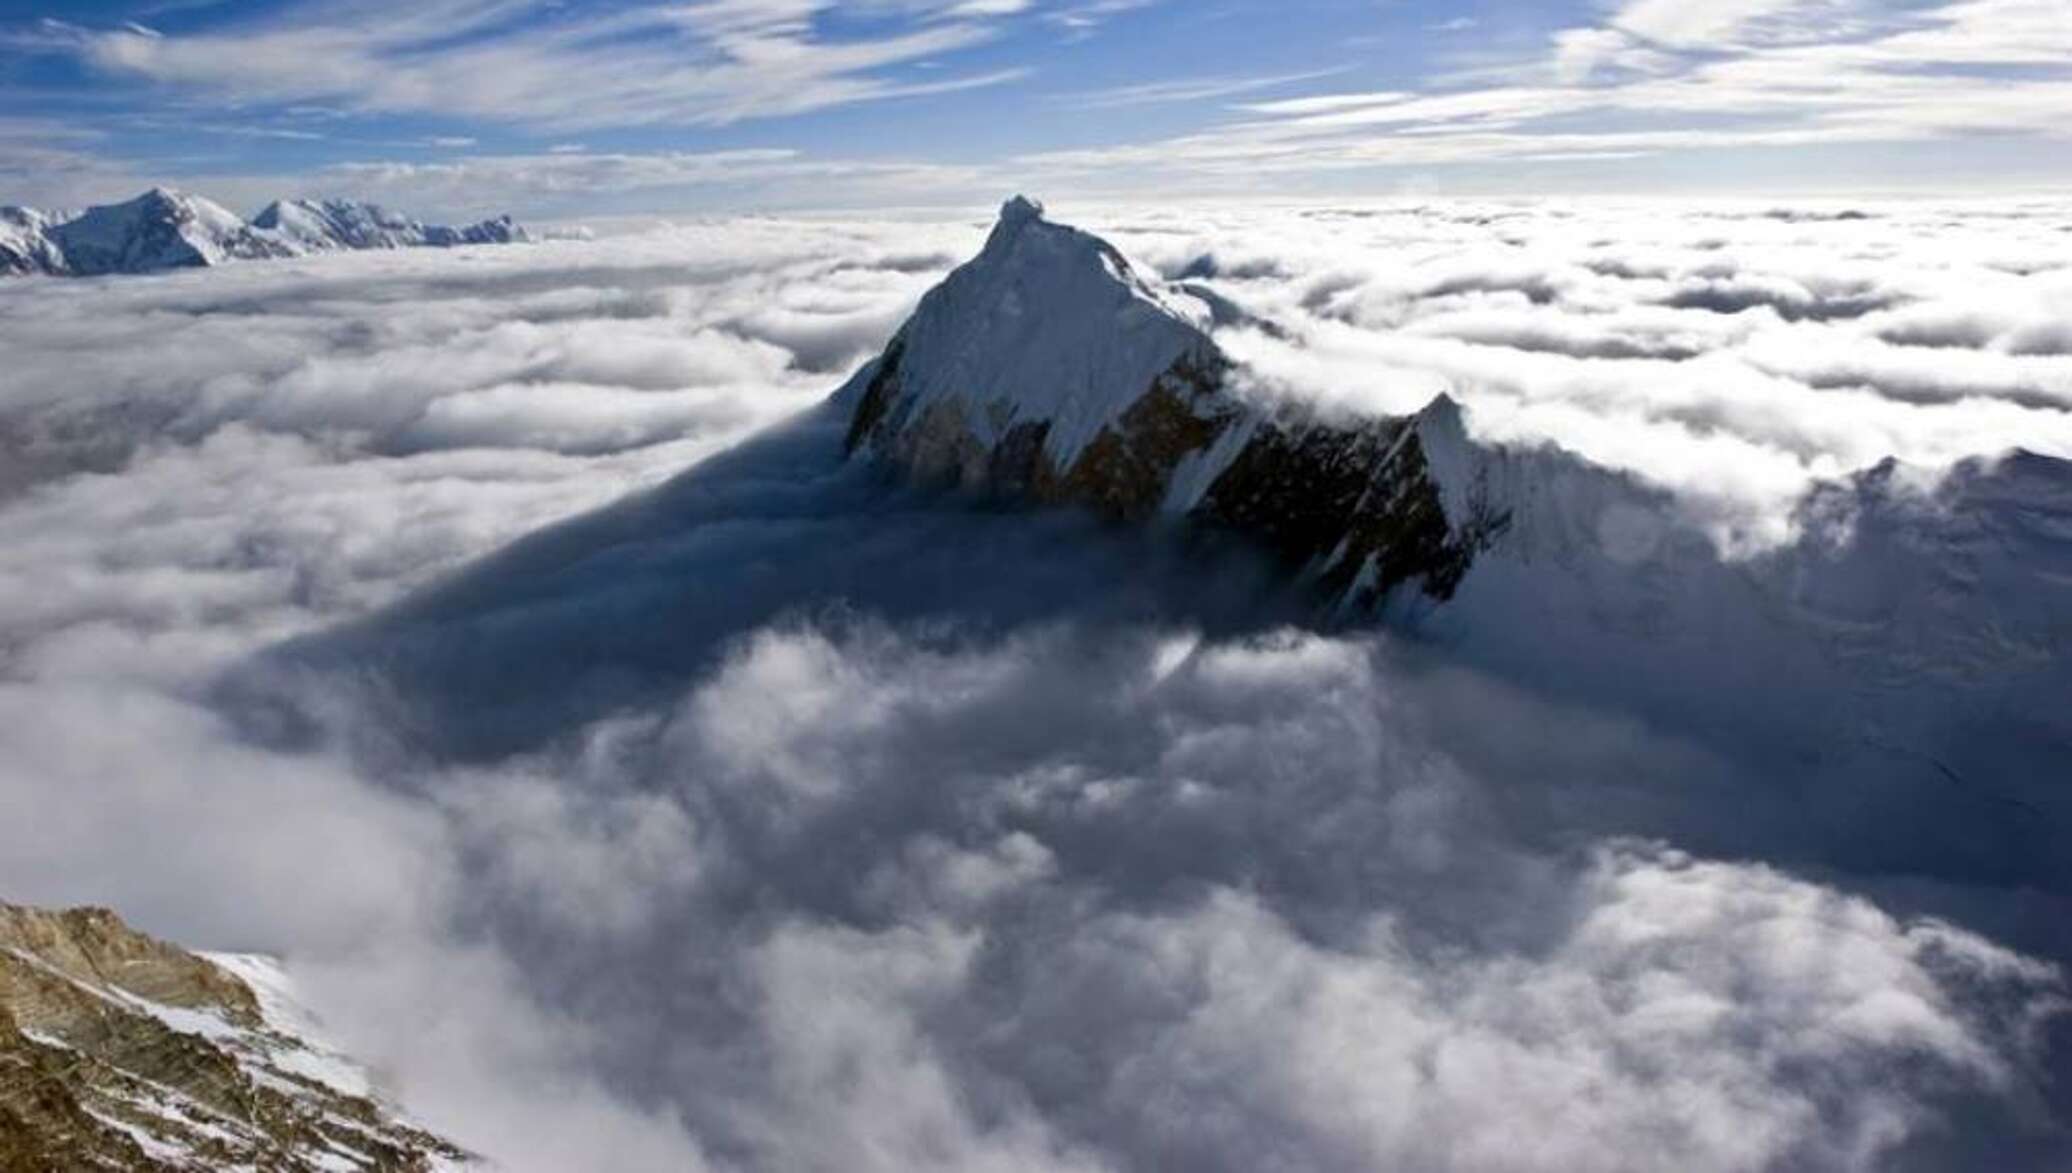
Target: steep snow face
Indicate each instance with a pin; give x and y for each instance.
(1049, 368)
(161, 229)
(1047, 325)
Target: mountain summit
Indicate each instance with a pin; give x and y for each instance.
(1048, 368)
(161, 229)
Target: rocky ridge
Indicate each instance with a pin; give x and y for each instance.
(120, 1051)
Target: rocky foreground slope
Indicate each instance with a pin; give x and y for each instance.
(118, 1051)
(166, 229)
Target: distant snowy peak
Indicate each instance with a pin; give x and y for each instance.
(161, 229)
(1048, 368)
(320, 225)
(326, 225)
(166, 229)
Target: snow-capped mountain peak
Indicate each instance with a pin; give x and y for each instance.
(1049, 367)
(160, 229)
(990, 347)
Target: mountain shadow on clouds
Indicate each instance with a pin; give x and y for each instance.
(1413, 770)
(630, 604)
(1796, 707)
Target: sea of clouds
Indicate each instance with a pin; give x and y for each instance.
(779, 817)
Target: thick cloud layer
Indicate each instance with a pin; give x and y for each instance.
(778, 817)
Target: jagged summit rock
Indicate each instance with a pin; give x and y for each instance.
(121, 1051)
(1049, 368)
(1020, 208)
(169, 229)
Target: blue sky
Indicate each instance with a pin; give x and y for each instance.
(553, 107)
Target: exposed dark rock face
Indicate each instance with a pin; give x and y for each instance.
(1124, 473)
(1354, 502)
(879, 390)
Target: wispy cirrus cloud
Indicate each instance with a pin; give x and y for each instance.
(1606, 91)
(1082, 19)
(1735, 24)
(51, 161)
(1657, 77)
(535, 64)
(1192, 89)
(575, 178)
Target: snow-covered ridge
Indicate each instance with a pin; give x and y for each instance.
(167, 229)
(325, 225)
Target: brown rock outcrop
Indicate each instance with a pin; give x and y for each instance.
(120, 1051)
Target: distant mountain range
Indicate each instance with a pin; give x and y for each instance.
(167, 229)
